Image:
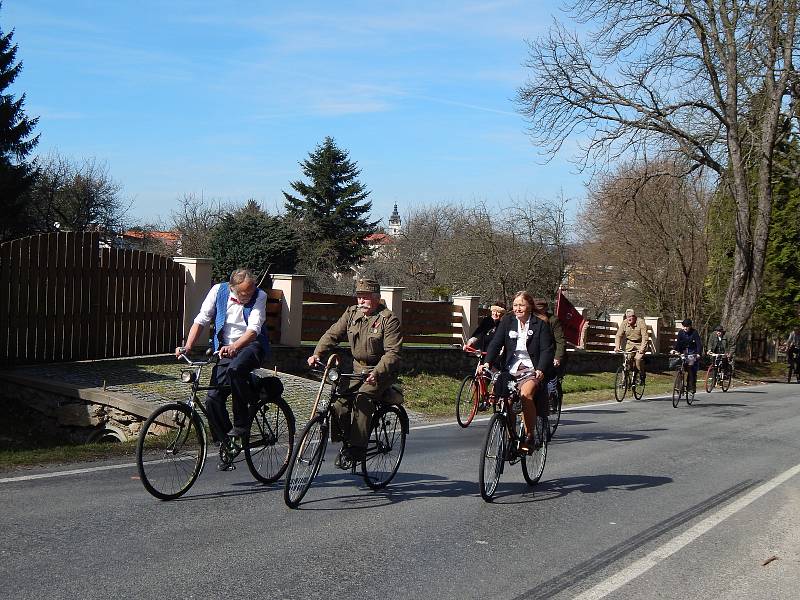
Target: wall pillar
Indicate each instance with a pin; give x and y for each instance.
(291, 307)
(393, 297)
(198, 283)
(469, 308)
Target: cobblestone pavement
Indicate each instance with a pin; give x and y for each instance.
(156, 379)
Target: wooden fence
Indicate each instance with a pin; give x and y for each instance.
(600, 336)
(437, 323)
(64, 298)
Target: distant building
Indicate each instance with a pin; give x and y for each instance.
(394, 222)
(136, 239)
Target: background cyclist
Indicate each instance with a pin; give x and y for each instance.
(634, 330)
(718, 344)
(688, 340)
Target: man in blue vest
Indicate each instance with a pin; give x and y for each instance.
(238, 310)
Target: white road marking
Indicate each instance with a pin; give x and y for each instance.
(658, 555)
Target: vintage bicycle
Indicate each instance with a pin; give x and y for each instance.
(503, 443)
(555, 399)
(680, 388)
(793, 364)
(627, 378)
(720, 371)
(172, 446)
(473, 395)
(389, 427)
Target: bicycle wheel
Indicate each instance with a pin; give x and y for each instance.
(493, 456)
(727, 376)
(306, 460)
(711, 378)
(467, 401)
(789, 373)
(171, 451)
(555, 414)
(677, 389)
(533, 473)
(638, 386)
(385, 447)
(689, 395)
(269, 446)
(620, 384)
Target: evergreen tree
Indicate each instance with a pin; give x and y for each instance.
(16, 175)
(333, 204)
(251, 238)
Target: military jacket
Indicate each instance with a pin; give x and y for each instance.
(634, 335)
(375, 340)
(558, 337)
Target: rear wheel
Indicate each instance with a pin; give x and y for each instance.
(385, 447)
(533, 465)
(711, 378)
(727, 376)
(637, 385)
(269, 446)
(306, 460)
(620, 385)
(171, 451)
(493, 455)
(677, 389)
(467, 401)
(555, 413)
(789, 372)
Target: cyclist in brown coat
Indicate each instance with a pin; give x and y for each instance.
(635, 331)
(373, 332)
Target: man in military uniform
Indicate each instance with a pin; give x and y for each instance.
(373, 332)
(635, 331)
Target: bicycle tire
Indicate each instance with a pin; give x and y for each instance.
(727, 376)
(555, 415)
(677, 389)
(171, 451)
(467, 401)
(271, 440)
(306, 460)
(638, 386)
(385, 447)
(690, 397)
(711, 378)
(538, 460)
(620, 384)
(789, 372)
(493, 454)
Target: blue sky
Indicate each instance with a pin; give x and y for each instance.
(225, 98)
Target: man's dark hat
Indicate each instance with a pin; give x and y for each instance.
(367, 286)
(686, 322)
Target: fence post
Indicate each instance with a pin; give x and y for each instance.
(653, 322)
(393, 297)
(198, 282)
(469, 307)
(291, 307)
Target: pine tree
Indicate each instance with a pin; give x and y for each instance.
(333, 206)
(16, 143)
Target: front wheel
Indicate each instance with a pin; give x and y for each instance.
(533, 472)
(385, 447)
(467, 401)
(677, 389)
(306, 460)
(789, 373)
(727, 376)
(171, 451)
(620, 384)
(711, 378)
(493, 455)
(269, 446)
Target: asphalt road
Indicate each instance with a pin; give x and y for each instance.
(638, 500)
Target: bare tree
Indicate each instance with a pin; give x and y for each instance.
(650, 230)
(194, 220)
(76, 196)
(705, 80)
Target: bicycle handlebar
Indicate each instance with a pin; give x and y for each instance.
(214, 357)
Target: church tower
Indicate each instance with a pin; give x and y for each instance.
(394, 222)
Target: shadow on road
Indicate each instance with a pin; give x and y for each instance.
(589, 484)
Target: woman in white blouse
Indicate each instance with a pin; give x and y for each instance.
(529, 349)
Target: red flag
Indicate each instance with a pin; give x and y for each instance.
(571, 321)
